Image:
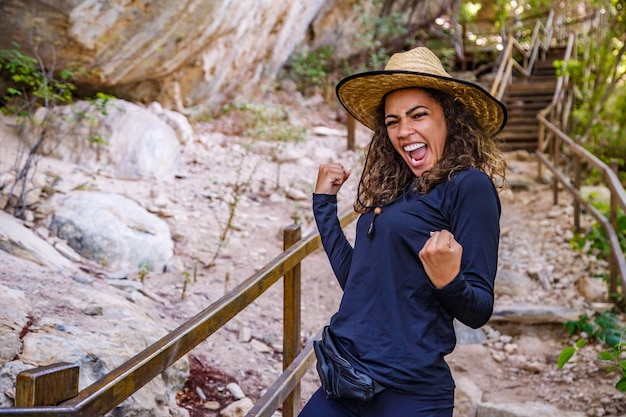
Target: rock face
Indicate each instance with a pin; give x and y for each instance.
(118, 329)
(181, 53)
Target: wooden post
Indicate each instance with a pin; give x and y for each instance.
(540, 148)
(291, 319)
(613, 218)
(351, 123)
(577, 184)
(554, 150)
(46, 385)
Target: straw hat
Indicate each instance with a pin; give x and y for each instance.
(361, 93)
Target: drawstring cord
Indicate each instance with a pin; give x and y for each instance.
(377, 210)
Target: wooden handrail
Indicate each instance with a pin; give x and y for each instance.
(286, 382)
(541, 37)
(562, 100)
(617, 262)
(553, 139)
(105, 394)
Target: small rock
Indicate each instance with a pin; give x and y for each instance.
(245, 334)
(83, 279)
(498, 356)
(67, 251)
(125, 284)
(200, 393)
(235, 390)
(238, 408)
(534, 367)
(326, 131)
(296, 194)
(212, 405)
(260, 346)
(93, 310)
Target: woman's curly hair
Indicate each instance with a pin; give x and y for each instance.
(386, 175)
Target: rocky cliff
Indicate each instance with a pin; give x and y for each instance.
(180, 53)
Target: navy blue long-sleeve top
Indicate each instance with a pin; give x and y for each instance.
(392, 323)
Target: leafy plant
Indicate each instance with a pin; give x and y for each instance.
(377, 27)
(144, 269)
(186, 275)
(310, 69)
(238, 190)
(33, 85)
(264, 123)
(594, 241)
(598, 72)
(608, 330)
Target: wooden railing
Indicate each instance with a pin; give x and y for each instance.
(52, 391)
(561, 144)
(558, 111)
(554, 143)
(540, 39)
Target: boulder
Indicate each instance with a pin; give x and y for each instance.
(112, 231)
(112, 137)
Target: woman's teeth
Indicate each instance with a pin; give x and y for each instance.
(413, 146)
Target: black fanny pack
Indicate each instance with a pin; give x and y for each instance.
(339, 378)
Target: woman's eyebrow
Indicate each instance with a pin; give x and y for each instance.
(409, 111)
(412, 109)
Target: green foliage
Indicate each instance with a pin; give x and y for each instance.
(313, 71)
(144, 269)
(509, 14)
(310, 69)
(569, 352)
(598, 72)
(264, 123)
(376, 28)
(186, 280)
(32, 86)
(469, 10)
(594, 241)
(607, 329)
(101, 104)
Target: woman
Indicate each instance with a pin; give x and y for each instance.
(426, 244)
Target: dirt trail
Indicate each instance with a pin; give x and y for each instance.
(517, 364)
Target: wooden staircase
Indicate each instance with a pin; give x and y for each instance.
(524, 98)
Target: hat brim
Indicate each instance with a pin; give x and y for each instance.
(361, 93)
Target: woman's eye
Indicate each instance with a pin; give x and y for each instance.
(418, 115)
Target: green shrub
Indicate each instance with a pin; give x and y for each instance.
(29, 85)
(310, 70)
(258, 121)
(32, 85)
(607, 329)
(594, 241)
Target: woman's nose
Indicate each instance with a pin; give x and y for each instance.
(404, 128)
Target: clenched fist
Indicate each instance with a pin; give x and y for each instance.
(330, 178)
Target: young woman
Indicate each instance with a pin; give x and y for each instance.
(426, 246)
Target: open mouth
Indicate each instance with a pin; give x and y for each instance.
(415, 152)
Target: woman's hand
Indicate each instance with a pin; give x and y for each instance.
(330, 178)
(441, 257)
